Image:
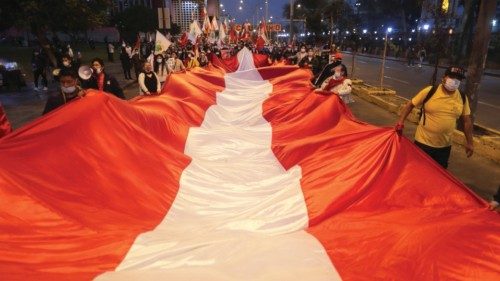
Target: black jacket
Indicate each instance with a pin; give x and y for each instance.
(57, 99)
(314, 64)
(111, 85)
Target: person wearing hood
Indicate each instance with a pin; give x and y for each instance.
(68, 91)
(441, 105)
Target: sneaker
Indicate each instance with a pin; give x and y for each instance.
(45, 88)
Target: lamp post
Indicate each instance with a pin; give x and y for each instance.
(291, 20)
(389, 30)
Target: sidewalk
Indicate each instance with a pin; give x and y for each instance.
(478, 173)
(487, 72)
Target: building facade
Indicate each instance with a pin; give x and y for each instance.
(183, 12)
(121, 5)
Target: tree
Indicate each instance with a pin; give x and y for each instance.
(479, 52)
(53, 15)
(134, 20)
(322, 15)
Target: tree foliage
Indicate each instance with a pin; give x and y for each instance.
(54, 15)
(323, 15)
(398, 13)
(134, 20)
(70, 16)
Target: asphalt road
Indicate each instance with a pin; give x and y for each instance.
(408, 81)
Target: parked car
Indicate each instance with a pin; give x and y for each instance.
(11, 75)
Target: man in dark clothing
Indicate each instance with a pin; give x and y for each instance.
(66, 63)
(137, 63)
(310, 61)
(39, 63)
(126, 63)
(103, 81)
(69, 90)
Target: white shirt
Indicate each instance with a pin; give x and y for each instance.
(343, 90)
(142, 86)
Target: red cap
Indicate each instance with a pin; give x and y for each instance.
(338, 56)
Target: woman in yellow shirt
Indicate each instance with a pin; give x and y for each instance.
(192, 62)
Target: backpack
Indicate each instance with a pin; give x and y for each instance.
(431, 92)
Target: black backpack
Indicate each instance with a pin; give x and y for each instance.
(431, 92)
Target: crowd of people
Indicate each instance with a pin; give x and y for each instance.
(151, 69)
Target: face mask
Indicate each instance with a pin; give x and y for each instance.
(302, 50)
(65, 63)
(68, 90)
(98, 70)
(451, 84)
(158, 60)
(337, 74)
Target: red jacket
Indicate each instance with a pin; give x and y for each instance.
(5, 127)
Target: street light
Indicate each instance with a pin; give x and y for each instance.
(389, 30)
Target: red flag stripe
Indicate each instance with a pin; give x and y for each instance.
(79, 184)
(380, 207)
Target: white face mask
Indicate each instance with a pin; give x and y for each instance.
(98, 70)
(451, 84)
(337, 74)
(68, 90)
(66, 63)
(159, 60)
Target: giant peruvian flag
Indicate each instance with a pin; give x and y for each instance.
(232, 176)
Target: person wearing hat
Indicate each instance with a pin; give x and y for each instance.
(441, 106)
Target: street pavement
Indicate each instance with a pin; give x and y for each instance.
(478, 173)
(408, 81)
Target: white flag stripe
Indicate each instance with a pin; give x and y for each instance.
(238, 214)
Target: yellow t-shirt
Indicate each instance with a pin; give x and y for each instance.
(192, 63)
(441, 114)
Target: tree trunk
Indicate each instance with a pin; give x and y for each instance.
(44, 43)
(466, 28)
(479, 52)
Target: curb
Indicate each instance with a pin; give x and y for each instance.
(487, 145)
(486, 73)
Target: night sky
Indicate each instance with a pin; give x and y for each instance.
(251, 8)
